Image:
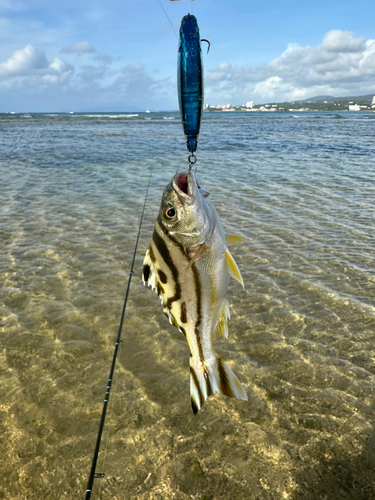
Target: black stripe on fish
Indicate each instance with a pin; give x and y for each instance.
(164, 252)
(173, 321)
(152, 255)
(200, 394)
(198, 293)
(182, 330)
(194, 406)
(159, 289)
(208, 383)
(183, 316)
(166, 232)
(146, 272)
(162, 276)
(224, 384)
(162, 227)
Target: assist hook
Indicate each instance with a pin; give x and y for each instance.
(209, 45)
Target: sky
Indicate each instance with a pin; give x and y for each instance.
(121, 55)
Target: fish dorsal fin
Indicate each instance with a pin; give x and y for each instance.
(232, 238)
(150, 277)
(222, 322)
(233, 268)
(148, 273)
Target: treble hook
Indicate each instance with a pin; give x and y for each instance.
(209, 45)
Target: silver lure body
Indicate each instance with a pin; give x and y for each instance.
(188, 264)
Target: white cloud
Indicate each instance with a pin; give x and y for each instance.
(135, 85)
(31, 65)
(23, 62)
(78, 48)
(341, 64)
(342, 41)
(28, 76)
(103, 58)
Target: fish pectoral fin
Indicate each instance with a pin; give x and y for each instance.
(222, 322)
(233, 268)
(232, 238)
(208, 380)
(204, 192)
(196, 252)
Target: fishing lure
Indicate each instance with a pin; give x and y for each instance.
(190, 80)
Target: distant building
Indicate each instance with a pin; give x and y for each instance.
(250, 104)
(373, 100)
(357, 107)
(223, 106)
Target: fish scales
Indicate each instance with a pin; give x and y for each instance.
(188, 265)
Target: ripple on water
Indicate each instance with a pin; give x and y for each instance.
(300, 192)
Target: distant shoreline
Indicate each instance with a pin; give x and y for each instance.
(316, 104)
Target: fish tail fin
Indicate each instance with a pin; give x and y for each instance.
(216, 378)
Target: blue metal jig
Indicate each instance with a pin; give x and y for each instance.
(190, 80)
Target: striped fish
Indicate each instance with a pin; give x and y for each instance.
(188, 264)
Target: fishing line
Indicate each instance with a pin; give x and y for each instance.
(170, 22)
(94, 475)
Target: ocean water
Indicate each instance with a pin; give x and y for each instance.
(300, 189)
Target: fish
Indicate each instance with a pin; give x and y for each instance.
(190, 80)
(188, 264)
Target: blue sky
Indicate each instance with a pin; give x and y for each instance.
(96, 55)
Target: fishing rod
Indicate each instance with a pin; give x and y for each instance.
(94, 475)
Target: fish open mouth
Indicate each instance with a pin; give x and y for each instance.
(182, 183)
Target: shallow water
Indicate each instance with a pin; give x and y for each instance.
(300, 189)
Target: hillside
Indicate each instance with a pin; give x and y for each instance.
(317, 103)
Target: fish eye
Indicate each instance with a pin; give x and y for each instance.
(170, 213)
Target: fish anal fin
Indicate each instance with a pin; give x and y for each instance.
(232, 238)
(212, 378)
(233, 268)
(222, 322)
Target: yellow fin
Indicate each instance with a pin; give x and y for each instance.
(231, 238)
(233, 268)
(222, 322)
